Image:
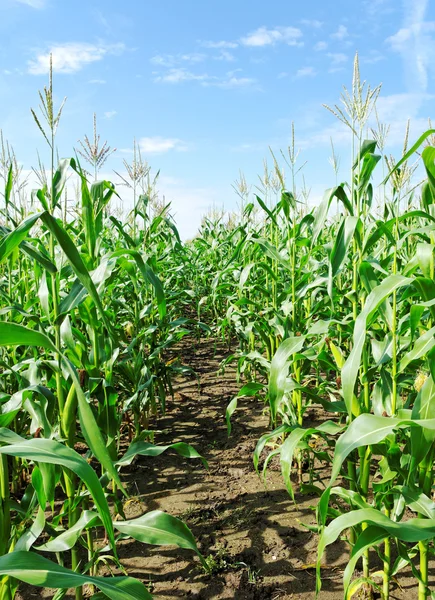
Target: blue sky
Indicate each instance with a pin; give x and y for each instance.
(207, 86)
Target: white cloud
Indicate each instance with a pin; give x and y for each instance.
(160, 145)
(269, 37)
(162, 60)
(396, 109)
(337, 58)
(402, 106)
(375, 8)
(33, 3)
(221, 44)
(172, 60)
(312, 23)
(180, 75)
(109, 114)
(306, 72)
(341, 33)
(233, 81)
(71, 57)
(226, 56)
(339, 133)
(374, 56)
(415, 42)
(320, 46)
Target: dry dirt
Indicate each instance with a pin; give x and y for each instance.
(255, 534)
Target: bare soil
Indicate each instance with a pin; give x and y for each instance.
(253, 533)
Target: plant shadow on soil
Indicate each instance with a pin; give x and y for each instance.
(253, 536)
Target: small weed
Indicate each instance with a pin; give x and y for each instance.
(219, 561)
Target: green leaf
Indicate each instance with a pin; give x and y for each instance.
(37, 570)
(146, 449)
(161, 529)
(410, 152)
(423, 409)
(424, 253)
(322, 210)
(54, 453)
(149, 275)
(367, 430)
(421, 347)
(351, 367)
(249, 389)
(413, 530)
(12, 334)
(76, 262)
(266, 438)
(291, 443)
(67, 539)
(342, 242)
(14, 238)
(9, 185)
(266, 210)
(279, 368)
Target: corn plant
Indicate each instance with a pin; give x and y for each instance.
(69, 341)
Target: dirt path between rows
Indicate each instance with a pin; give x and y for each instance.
(255, 534)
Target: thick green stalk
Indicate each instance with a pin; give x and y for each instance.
(69, 428)
(426, 483)
(5, 523)
(387, 565)
(387, 544)
(424, 564)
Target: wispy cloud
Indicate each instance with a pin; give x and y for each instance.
(320, 46)
(373, 57)
(233, 80)
(226, 56)
(341, 34)
(314, 23)
(72, 57)
(376, 8)
(306, 72)
(109, 114)
(160, 145)
(157, 145)
(97, 81)
(180, 75)
(270, 37)
(172, 60)
(415, 42)
(322, 136)
(396, 109)
(218, 45)
(33, 3)
(230, 80)
(337, 58)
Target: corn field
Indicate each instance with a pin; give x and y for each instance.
(328, 308)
